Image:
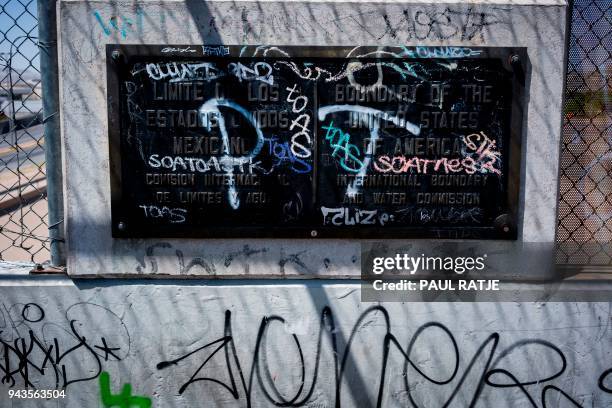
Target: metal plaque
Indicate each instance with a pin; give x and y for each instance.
(270, 141)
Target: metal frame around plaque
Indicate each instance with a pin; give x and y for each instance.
(514, 61)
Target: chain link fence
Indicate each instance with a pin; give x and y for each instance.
(585, 208)
(23, 204)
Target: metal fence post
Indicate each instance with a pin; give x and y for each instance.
(47, 29)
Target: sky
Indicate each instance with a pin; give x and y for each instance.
(24, 11)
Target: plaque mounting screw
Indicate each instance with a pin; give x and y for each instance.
(313, 233)
(121, 226)
(504, 223)
(515, 59)
(115, 55)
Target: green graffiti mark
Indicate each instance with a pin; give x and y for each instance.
(123, 399)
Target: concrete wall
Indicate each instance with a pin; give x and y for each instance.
(263, 343)
(312, 344)
(87, 26)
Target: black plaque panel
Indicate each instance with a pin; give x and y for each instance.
(228, 141)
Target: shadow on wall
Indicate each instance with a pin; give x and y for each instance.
(411, 25)
(303, 345)
(310, 344)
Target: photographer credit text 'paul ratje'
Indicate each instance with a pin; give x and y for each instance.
(403, 264)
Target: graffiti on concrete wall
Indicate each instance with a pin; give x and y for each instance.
(414, 23)
(119, 25)
(42, 353)
(462, 373)
(124, 399)
(279, 361)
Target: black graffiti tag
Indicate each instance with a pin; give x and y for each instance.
(34, 349)
(492, 374)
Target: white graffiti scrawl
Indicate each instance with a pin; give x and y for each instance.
(373, 117)
(228, 162)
